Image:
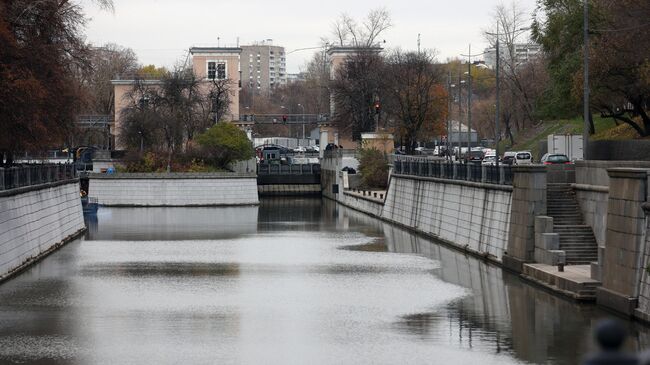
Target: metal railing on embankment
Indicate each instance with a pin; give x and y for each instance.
(28, 175)
(291, 169)
(475, 172)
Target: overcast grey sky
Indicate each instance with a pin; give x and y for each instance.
(161, 31)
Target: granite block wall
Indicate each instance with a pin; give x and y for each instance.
(35, 221)
(174, 191)
(473, 216)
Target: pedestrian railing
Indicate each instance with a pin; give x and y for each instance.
(290, 169)
(475, 172)
(28, 175)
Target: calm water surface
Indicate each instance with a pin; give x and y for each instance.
(289, 282)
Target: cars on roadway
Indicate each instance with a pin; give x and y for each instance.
(489, 160)
(509, 157)
(523, 158)
(555, 159)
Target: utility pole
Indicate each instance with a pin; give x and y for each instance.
(460, 111)
(449, 115)
(585, 131)
(496, 118)
(418, 43)
(469, 100)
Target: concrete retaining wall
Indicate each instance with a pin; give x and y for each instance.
(36, 220)
(473, 216)
(174, 189)
(592, 191)
(593, 202)
(366, 205)
(289, 189)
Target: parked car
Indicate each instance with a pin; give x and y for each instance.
(331, 146)
(555, 159)
(350, 170)
(300, 149)
(509, 158)
(475, 156)
(490, 160)
(523, 158)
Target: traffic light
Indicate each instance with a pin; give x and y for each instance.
(284, 119)
(377, 107)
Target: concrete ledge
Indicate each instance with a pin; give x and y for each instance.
(594, 188)
(574, 282)
(643, 317)
(512, 263)
(27, 189)
(365, 197)
(172, 175)
(456, 182)
(628, 173)
(616, 301)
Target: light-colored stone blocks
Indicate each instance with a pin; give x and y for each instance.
(32, 223)
(174, 192)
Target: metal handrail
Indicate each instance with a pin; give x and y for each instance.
(29, 175)
(438, 168)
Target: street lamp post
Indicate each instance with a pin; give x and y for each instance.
(303, 120)
(497, 132)
(141, 141)
(469, 101)
(585, 132)
(449, 116)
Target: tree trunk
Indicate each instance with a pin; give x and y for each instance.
(592, 127)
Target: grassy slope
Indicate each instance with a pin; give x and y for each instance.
(530, 139)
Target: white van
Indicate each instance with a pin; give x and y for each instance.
(523, 158)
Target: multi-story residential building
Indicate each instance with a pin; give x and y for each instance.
(263, 66)
(293, 78)
(208, 63)
(523, 53)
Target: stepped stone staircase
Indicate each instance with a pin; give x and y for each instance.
(576, 238)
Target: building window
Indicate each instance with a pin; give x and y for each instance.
(216, 70)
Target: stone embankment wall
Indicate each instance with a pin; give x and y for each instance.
(36, 220)
(469, 215)
(474, 216)
(174, 189)
(592, 191)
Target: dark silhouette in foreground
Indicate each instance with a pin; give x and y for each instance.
(610, 335)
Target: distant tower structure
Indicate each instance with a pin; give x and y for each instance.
(264, 66)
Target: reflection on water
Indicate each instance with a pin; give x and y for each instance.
(292, 281)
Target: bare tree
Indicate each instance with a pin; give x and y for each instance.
(220, 95)
(349, 32)
(358, 84)
(416, 95)
(518, 94)
(108, 63)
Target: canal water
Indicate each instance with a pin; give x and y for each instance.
(293, 281)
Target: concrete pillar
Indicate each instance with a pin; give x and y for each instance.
(324, 140)
(528, 201)
(336, 139)
(622, 266)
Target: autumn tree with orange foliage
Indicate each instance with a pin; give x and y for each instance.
(416, 97)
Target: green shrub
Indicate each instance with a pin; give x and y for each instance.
(224, 143)
(373, 168)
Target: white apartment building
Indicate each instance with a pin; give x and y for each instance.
(523, 53)
(263, 66)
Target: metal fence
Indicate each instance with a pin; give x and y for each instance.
(501, 175)
(292, 169)
(27, 175)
